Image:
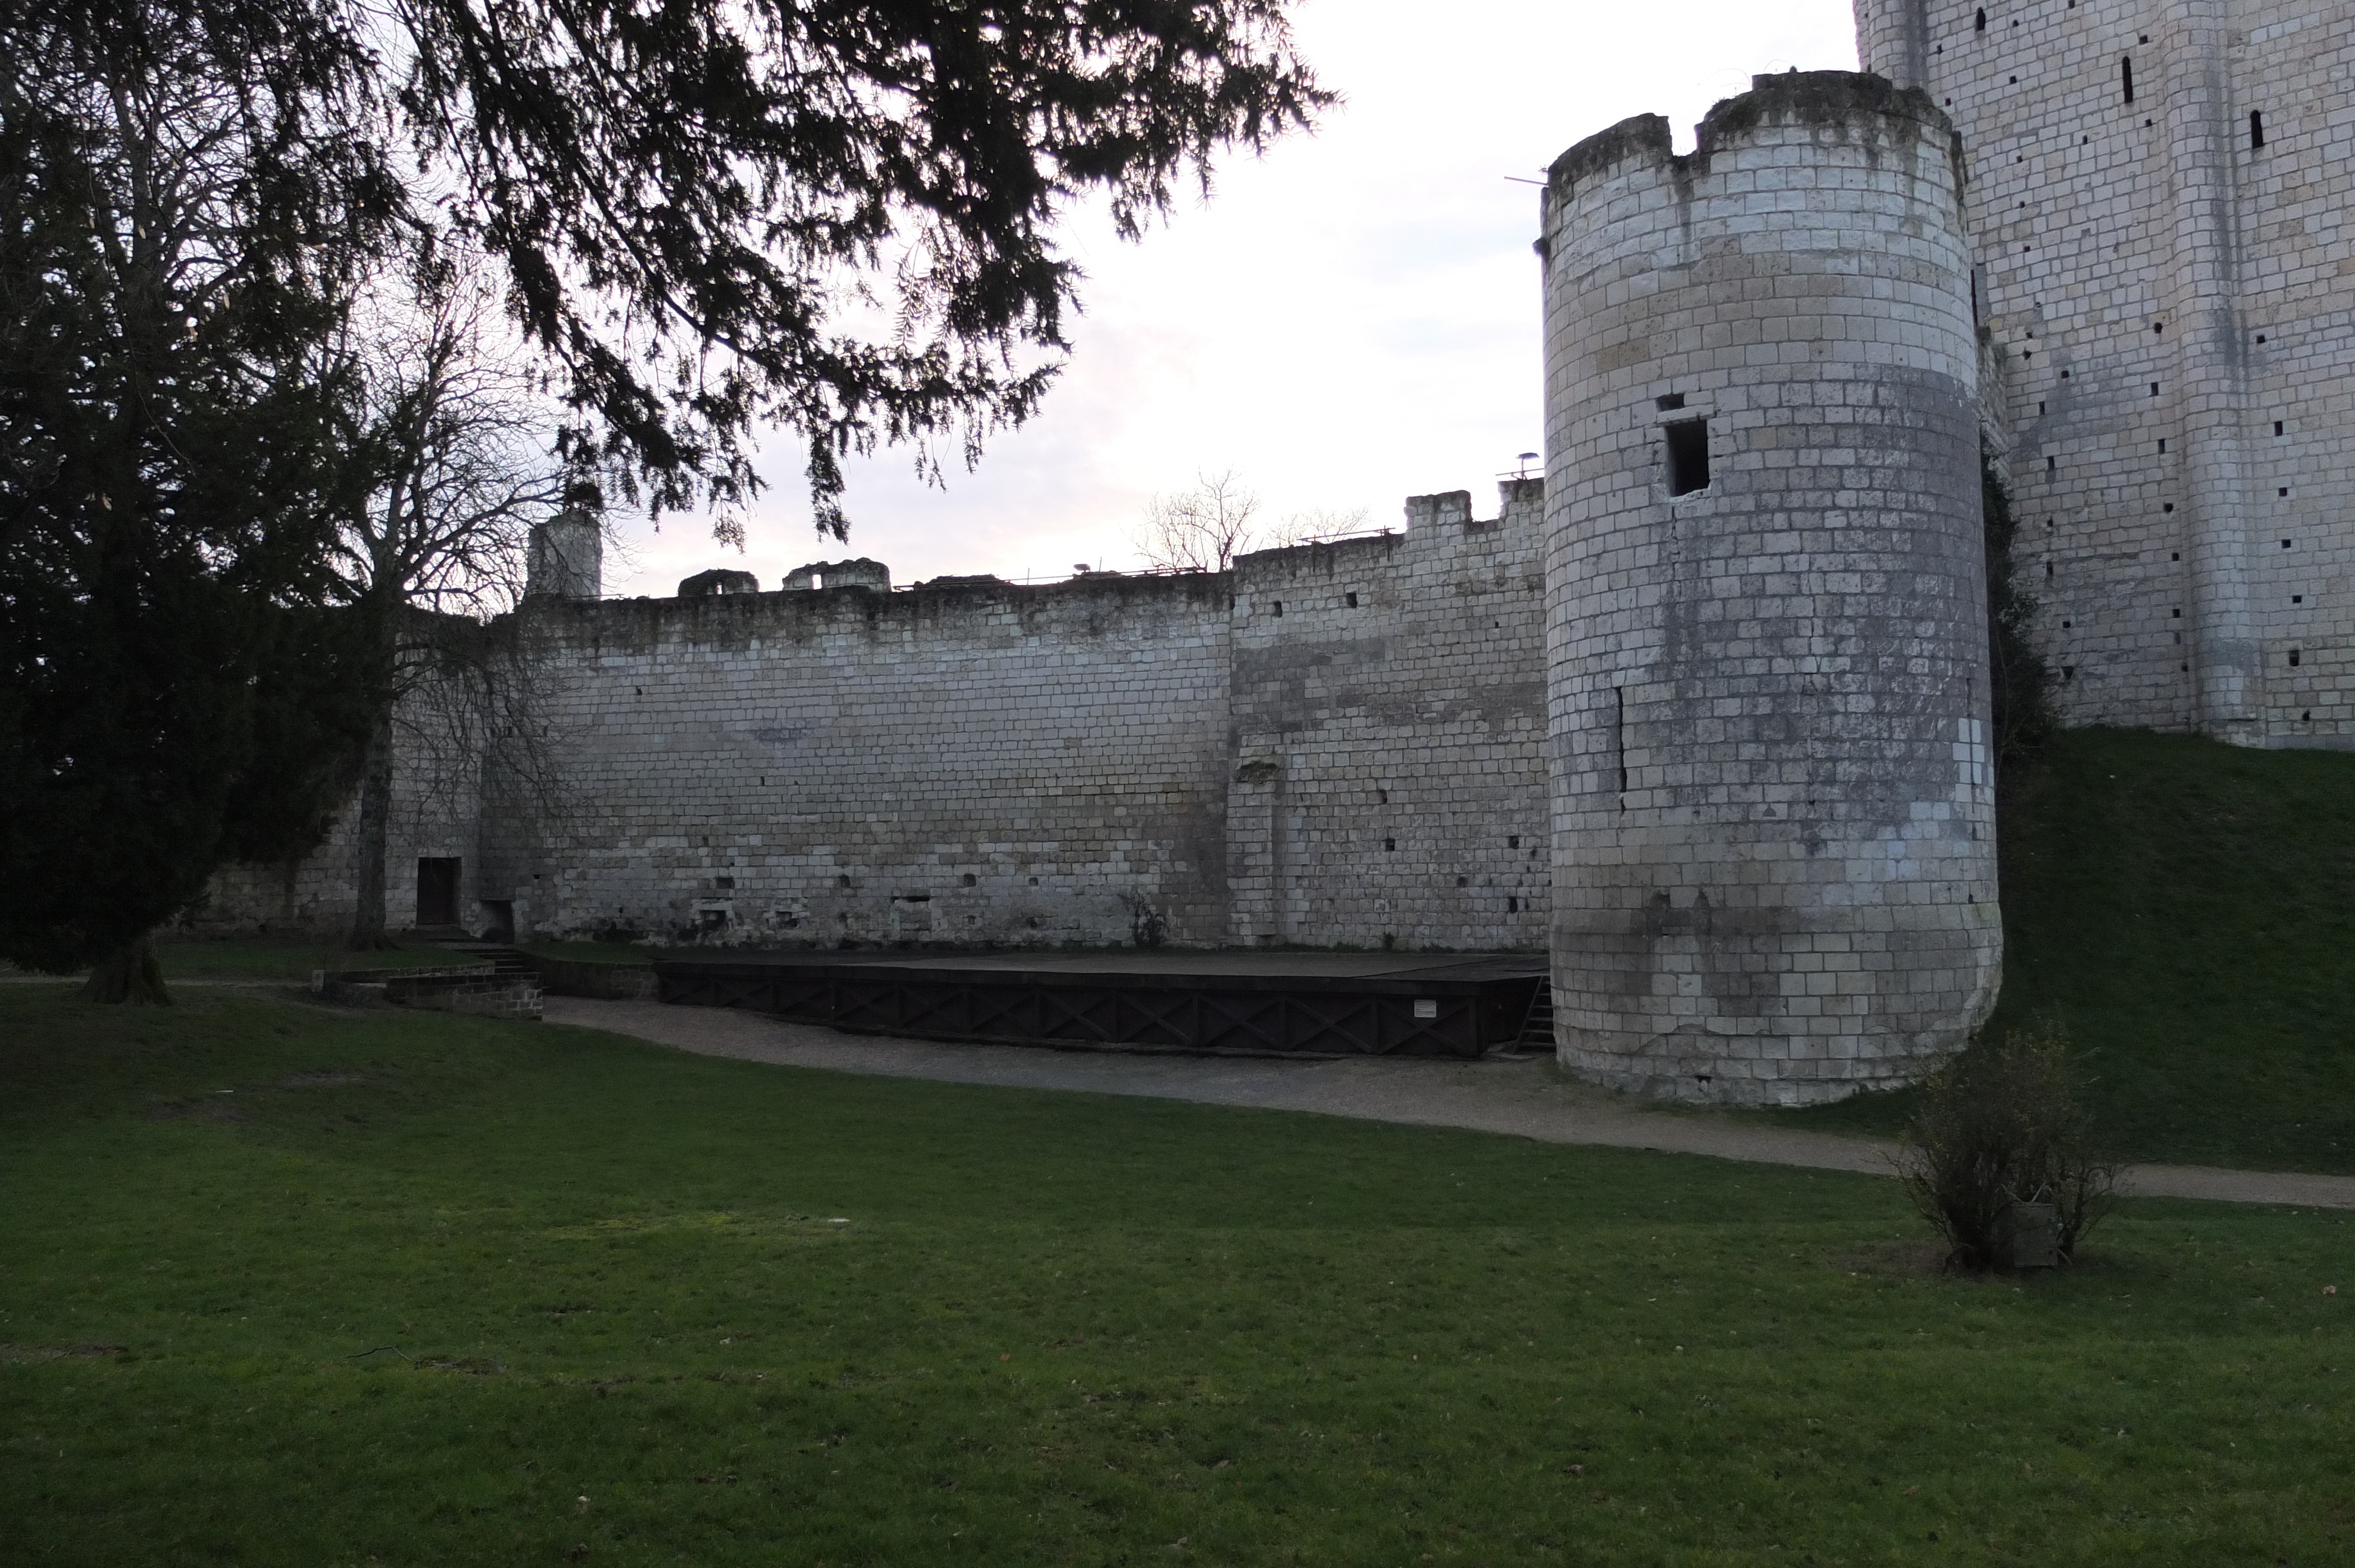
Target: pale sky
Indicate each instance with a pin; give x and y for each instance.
(1347, 321)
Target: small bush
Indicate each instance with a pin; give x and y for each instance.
(2001, 1127)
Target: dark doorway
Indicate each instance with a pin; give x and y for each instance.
(437, 891)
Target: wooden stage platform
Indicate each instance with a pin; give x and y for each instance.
(1253, 1004)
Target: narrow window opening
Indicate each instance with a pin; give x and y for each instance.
(1668, 401)
(2298, 599)
(2047, 568)
(1688, 456)
(1619, 739)
(2285, 544)
(2176, 555)
(2166, 506)
(2179, 613)
(2051, 465)
(970, 879)
(2154, 389)
(1463, 882)
(2277, 427)
(1279, 607)
(2068, 673)
(1390, 845)
(842, 881)
(2293, 657)
(2256, 129)
(2039, 406)
(2125, 76)
(1980, 25)
(1512, 906)
(2162, 444)
(1513, 842)
(2282, 490)
(1351, 599)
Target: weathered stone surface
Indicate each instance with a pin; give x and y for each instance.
(2167, 309)
(970, 760)
(1774, 812)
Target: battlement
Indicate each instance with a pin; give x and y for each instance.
(1812, 101)
(861, 573)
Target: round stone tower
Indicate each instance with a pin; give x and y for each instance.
(1775, 876)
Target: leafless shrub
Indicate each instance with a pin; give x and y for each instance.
(2002, 1127)
(1205, 528)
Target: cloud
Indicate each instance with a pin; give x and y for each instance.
(1350, 320)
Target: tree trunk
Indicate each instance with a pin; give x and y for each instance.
(376, 809)
(130, 973)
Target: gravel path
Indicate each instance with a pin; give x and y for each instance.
(1529, 1099)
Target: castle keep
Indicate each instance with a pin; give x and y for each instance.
(1704, 711)
(2156, 200)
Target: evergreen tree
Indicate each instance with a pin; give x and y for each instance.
(167, 485)
(713, 215)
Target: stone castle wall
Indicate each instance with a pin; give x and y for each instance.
(437, 812)
(2170, 302)
(1333, 744)
(979, 762)
(1389, 720)
(1773, 810)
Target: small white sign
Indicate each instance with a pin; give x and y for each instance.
(1426, 1007)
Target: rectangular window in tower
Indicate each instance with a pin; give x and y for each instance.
(1688, 456)
(2125, 76)
(2256, 129)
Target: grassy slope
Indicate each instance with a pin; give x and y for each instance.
(2188, 909)
(266, 959)
(592, 952)
(1058, 1329)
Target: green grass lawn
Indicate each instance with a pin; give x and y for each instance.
(592, 952)
(655, 1309)
(291, 960)
(2188, 909)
